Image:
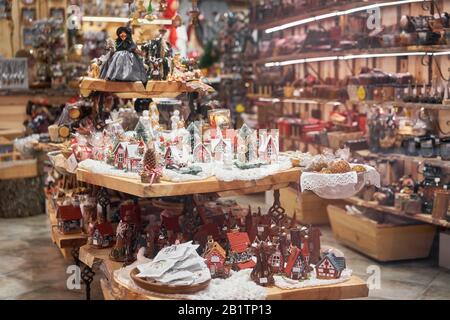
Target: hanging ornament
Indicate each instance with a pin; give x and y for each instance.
(194, 13)
(162, 6)
(150, 15)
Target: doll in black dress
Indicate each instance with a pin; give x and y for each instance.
(124, 64)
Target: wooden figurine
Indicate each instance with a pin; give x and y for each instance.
(330, 267)
(69, 219)
(239, 244)
(215, 257)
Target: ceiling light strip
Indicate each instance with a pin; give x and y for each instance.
(338, 13)
(355, 56)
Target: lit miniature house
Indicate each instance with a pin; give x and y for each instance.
(69, 219)
(103, 235)
(215, 257)
(201, 154)
(247, 145)
(119, 155)
(239, 243)
(330, 267)
(133, 158)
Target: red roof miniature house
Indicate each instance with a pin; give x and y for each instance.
(119, 155)
(135, 212)
(239, 242)
(296, 267)
(215, 257)
(69, 219)
(330, 267)
(103, 235)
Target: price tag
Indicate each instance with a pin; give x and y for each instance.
(296, 269)
(260, 229)
(263, 280)
(215, 259)
(72, 163)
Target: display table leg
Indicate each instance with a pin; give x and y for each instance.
(87, 275)
(75, 253)
(276, 209)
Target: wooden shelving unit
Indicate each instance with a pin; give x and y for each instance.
(311, 13)
(433, 161)
(340, 53)
(66, 243)
(426, 218)
(114, 289)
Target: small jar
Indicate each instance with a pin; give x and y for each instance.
(413, 205)
(444, 148)
(428, 147)
(411, 146)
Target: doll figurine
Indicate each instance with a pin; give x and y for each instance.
(124, 64)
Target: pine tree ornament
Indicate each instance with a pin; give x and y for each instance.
(151, 172)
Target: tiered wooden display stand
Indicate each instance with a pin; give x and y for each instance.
(68, 244)
(354, 288)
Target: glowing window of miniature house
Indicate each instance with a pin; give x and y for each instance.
(276, 260)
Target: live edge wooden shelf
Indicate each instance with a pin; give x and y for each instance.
(114, 290)
(153, 89)
(166, 189)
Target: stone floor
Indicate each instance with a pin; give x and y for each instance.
(31, 266)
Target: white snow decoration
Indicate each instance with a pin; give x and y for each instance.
(103, 168)
(348, 184)
(238, 286)
(174, 176)
(283, 282)
(208, 170)
(255, 173)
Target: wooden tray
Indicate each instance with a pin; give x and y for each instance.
(163, 288)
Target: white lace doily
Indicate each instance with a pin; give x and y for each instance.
(286, 283)
(341, 185)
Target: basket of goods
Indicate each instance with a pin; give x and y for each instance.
(177, 269)
(337, 178)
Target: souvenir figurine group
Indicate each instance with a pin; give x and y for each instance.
(155, 60)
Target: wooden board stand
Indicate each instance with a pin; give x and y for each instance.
(383, 242)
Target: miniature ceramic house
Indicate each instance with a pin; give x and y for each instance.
(103, 235)
(119, 155)
(215, 257)
(133, 158)
(268, 151)
(195, 136)
(69, 219)
(201, 154)
(276, 260)
(239, 243)
(262, 272)
(246, 145)
(296, 267)
(330, 267)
